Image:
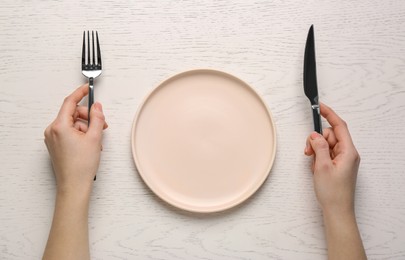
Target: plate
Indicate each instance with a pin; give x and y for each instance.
(203, 141)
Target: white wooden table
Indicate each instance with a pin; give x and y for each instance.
(361, 73)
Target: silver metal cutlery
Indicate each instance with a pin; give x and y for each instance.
(91, 63)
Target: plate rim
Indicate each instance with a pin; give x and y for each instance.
(174, 203)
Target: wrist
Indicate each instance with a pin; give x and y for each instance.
(74, 192)
(342, 234)
(71, 205)
(340, 215)
(343, 208)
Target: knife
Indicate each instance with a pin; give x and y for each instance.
(310, 84)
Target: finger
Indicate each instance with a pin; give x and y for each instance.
(81, 126)
(313, 165)
(97, 121)
(321, 150)
(330, 137)
(339, 126)
(69, 105)
(82, 113)
(308, 148)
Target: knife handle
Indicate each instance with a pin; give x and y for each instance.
(316, 113)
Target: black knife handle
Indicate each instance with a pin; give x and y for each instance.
(316, 113)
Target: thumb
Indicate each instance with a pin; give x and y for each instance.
(97, 120)
(321, 149)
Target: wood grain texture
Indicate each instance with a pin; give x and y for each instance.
(361, 64)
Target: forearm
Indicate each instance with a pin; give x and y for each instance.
(342, 235)
(68, 238)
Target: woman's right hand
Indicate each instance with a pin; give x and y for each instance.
(335, 165)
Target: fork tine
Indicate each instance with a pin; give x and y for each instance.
(92, 45)
(98, 52)
(84, 50)
(88, 48)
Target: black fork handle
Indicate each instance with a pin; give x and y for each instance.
(91, 102)
(91, 96)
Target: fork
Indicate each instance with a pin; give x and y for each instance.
(91, 69)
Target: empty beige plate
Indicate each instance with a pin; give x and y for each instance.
(203, 141)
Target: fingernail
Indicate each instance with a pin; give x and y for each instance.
(315, 135)
(98, 107)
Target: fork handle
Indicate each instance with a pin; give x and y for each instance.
(91, 101)
(91, 96)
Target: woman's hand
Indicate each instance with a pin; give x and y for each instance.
(74, 147)
(335, 166)
(75, 153)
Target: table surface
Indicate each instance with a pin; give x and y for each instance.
(361, 63)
